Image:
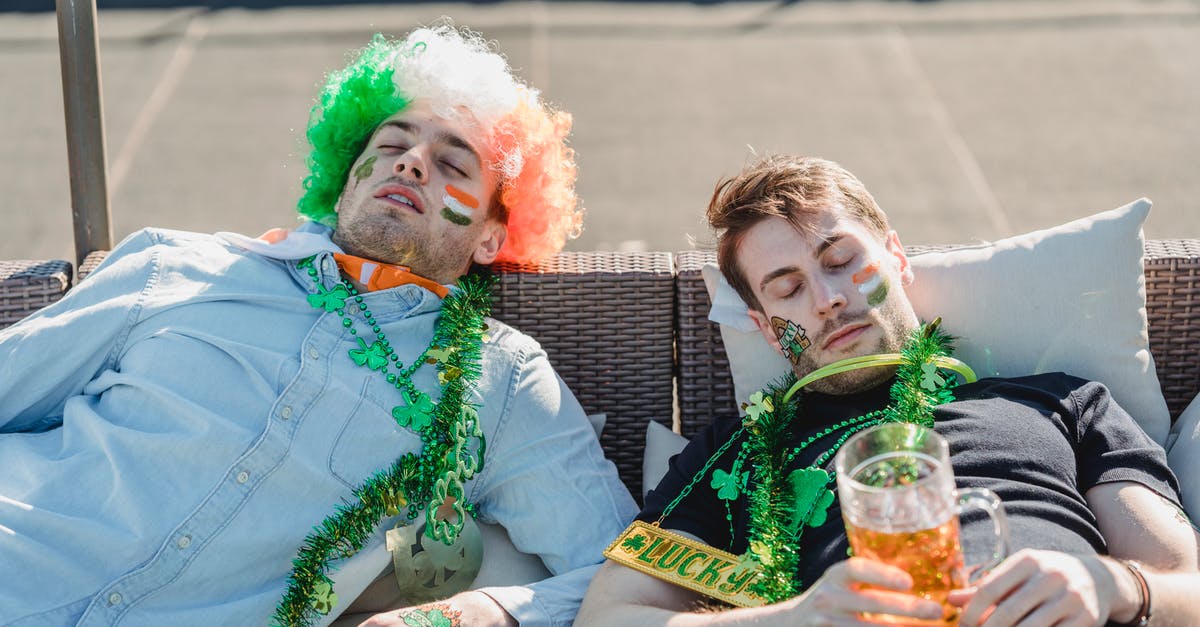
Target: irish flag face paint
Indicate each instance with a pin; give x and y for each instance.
(871, 283)
(460, 206)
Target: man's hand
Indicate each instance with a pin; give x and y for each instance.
(1039, 588)
(857, 586)
(466, 609)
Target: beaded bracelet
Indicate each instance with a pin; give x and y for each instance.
(1142, 618)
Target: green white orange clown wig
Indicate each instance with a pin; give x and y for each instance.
(455, 71)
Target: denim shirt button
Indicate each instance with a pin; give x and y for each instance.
(313, 353)
(184, 542)
(114, 598)
(286, 412)
(243, 477)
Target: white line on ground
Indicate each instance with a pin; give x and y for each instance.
(196, 29)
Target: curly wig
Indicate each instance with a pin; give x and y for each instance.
(458, 73)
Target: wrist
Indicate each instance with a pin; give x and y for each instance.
(1133, 594)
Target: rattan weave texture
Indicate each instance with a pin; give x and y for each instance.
(26, 286)
(606, 323)
(1173, 313)
(705, 384)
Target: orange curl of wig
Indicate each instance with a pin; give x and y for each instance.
(540, 198)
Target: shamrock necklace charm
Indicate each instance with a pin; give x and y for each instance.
(782, 503)
(429, 481)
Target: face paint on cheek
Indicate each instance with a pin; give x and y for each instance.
(879, 294)
(871, 283)
(365, 169)
(459, 219)
(792, 339)
(460, 206)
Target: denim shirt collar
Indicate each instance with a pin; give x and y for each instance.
(312, 239)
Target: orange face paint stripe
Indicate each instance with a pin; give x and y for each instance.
(462, 197)
(862, 275)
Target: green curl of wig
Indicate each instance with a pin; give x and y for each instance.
(352, 104)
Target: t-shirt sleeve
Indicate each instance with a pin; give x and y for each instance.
(1112, 447)
(699, 512)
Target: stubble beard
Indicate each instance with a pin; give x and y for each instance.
(387, 240)
(896, 325)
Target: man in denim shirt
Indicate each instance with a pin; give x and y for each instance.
(179, 426)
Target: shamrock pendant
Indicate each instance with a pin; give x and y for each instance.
(729, 484)
(931, 379)
(417, 411)
(374, 356)
(329, 299)
(323, 597)
(810, 498)
(759, 404)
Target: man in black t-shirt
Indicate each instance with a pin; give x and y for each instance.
(1093, 509)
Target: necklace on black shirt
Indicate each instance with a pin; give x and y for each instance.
(783, 504)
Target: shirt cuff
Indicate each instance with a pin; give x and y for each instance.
(550, 602)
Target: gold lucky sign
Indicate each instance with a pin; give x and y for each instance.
(686, 562)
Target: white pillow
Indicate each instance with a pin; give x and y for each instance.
(661, 444)
(1069, 298)
(1183, 455)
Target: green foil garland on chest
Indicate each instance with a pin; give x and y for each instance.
(452, 440)
(782, 503)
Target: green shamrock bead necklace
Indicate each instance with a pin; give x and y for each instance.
(782, 503)
(452, 440)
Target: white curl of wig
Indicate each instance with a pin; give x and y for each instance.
(455, 69)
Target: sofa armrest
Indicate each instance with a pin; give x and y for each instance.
(29, 285)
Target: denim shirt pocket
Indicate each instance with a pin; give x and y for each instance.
(370, 440)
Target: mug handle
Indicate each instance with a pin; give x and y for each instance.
(987, 501)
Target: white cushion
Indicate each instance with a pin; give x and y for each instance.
(1071, 298)
(1183, 455)
(661, 445)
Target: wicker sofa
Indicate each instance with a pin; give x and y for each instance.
(629, 332)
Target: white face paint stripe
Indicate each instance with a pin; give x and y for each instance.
(457, 207)
(870, 284)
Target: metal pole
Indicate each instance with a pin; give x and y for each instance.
(79, 56)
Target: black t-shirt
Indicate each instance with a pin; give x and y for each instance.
(1039, 442)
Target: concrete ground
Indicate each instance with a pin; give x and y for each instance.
(968, 120)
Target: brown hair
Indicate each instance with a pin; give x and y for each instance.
(793, 188)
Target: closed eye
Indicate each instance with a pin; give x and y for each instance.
(796, 289)
(453, 168)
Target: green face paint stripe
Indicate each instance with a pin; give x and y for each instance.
(879, 294)
(456, 218)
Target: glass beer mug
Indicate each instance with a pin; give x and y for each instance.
(900, 507)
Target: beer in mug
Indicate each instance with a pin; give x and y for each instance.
(900, 507)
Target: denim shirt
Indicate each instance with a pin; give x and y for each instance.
(179, 422)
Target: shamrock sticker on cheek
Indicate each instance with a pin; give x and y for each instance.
(364, 169)
(460, 206)
(871, 283)
(792, 339)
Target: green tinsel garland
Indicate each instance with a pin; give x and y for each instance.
(346, 531)
(919, 387)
